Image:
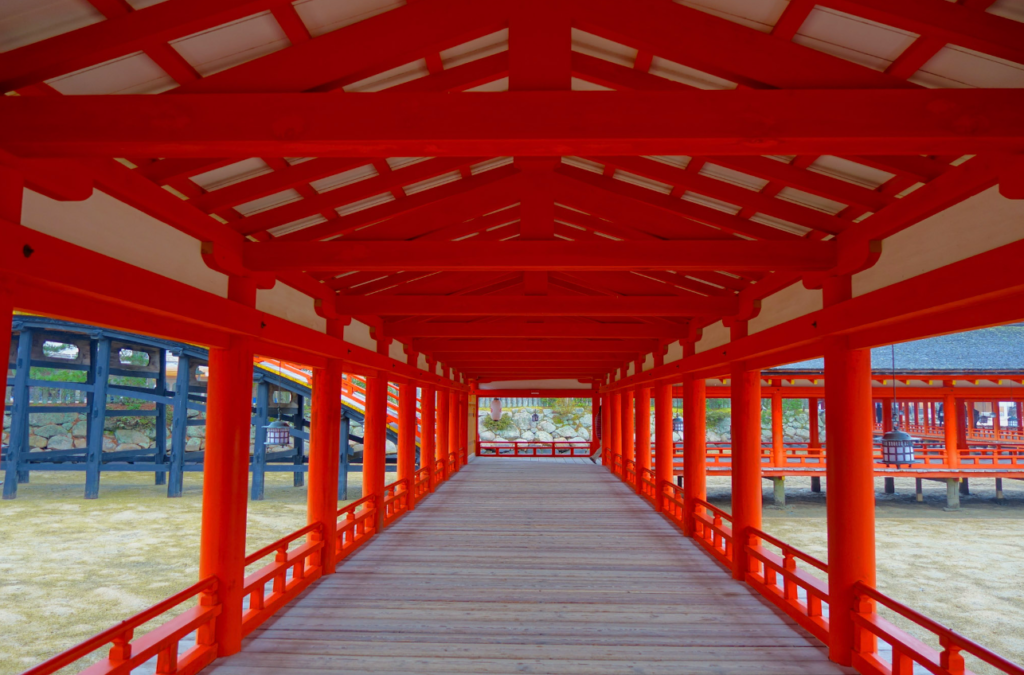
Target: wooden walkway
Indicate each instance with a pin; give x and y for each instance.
(530, 567)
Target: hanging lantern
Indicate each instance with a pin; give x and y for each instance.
(898, 448)
(677, 424)
(495, 409)
(535, 418)
(278, 433)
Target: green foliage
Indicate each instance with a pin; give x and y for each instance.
(716, 418)
(498, 425)
(57, 375)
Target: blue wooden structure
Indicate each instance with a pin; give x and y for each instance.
(103, 357)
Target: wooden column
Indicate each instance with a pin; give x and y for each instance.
(428, 422)
(628, 430)
(812, 411)
(407, 436)
(453, 427)
(851, 500)
(616, 427)
(18, 441)
(778, 451)
(996, 427)
(464, 417)
(694, 446)
(606, 429)
(324, 433)
(643, 433)
(746, 462)
(950, 430)
(225, 478)
(663, 448)
(441, 448)
(375, 437)
(12, 188)
(963, 416)
(888, 408)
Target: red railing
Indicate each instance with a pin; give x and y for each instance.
(709, 530)
(357, 522)
(451, 464)
(420, 484)
(128, 652)
(438, 471)
(303, 561)
(395, 500)
(794, 591)
(908, 650)
(617, 465)
(534, 449)
(648, 489)
(672, 504)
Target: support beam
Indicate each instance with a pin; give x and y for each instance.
(628, 430)
(851, 499)
(225, 478)
(428, 421)
(515, 256)
(374, 439)
(441, 446)
(531, 306)
(536, 123)
(524, 329)
(695, 449)
(453, 427)
(616, 426)
(663, 446)
(746, 463)
(324, 433)
(407, 436)
(643, 433)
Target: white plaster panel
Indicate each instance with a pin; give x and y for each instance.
(287, 303)
(648, 362)
(981, 223)
(675, 352)
(715, 335)
(113, 228)
(396, 350)
(789, 303)
(358, 333)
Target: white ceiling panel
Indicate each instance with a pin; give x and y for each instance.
(600, 48)
(230, 174)
(761, 15)
(23, 22)
(475, 49)
(324, 16)
(671, 70)
(132, 74)
(344, 178)
(228, 45)
(959, 67)
(268, 202)
(390, 78)
(851, 172)
(853, 38)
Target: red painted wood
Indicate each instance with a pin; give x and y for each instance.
(325, 427)
(746, 471)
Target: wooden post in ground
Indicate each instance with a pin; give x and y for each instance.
(663, 446)
(694, 447)
(407, 436)
(324, 432)
(746, 463)
(851, 500)
(643, 434)
(919, 489)
(778, 449)
(225, 478)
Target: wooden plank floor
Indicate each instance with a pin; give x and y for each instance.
(530, 567)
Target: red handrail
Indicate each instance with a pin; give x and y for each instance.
(629, 472)
(421, 484)
(128, 652)
(357, 522)
(438, 472)
(908, 650)
(304, 563)
(648, 489)
(711, 533)
(395, 500)
(534, 449)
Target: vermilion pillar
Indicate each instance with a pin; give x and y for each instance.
(225, 478)
(694, 447)
(407, 436)
(12, 189)
(324, 436)
(663, 448)
(812, 409)
(778, 451)
(441, 448)
(746, 462)
(628, 431)
(616, 415)
(606, 429)
(453, 427)
(949, 430)
(643, 434)
(375, 434)
(427, 433)
(851, 500)
(464, 416)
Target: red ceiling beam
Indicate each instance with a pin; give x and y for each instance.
(535, 306)
(513, 346)
(508, 328)
(468, 256)
(515, 357)
(742, 122)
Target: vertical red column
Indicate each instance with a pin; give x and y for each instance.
(324, 436)
(375, 437)
(694, 447)
(851, 500)
(427, 434)
(12, 189)
(628, 432)
(643, 434)
(594, 403)
(812, 411)
(663, 448)
(616, 428)
(778, 451)
(407, 436)
(453, 427)
(606, 429)
(996, 431)
(888, 406)
(746, 462)
(950, 431)
(225, 478)
(441, 448)
(464, 417)
(962, 418)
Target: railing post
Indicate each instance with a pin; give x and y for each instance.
(324, 432)
(643, 434)
(628, 432)
(694, 448)
(851, 499)
(746, 462)
(225, 478)
(375, 437)
(427, 432)
(407, 434)
(663, 448)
